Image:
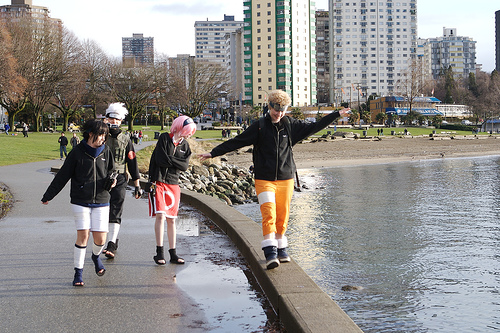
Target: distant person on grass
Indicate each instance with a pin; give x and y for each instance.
(88, 166)
(74, 141)
(63, 142)
(273, 137)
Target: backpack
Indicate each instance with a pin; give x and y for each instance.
(288, 128)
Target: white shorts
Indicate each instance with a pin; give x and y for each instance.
(93, 219)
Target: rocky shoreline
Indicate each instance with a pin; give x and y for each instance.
(227, 182)
(229, 177)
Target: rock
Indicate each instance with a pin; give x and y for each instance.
(226, 182)
(200, 170)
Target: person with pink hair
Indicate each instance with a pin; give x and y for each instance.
(170, 157)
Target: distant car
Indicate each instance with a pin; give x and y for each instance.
(73, 128)
(444, 122)
(466, 122)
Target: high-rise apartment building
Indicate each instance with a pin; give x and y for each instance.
(234, 65)
(181, 66)
(450, 50)
(497, 39)
(210, 38)
(138, 50)
(279, 50)
(19, 9)
(323, 56)
(373, 42)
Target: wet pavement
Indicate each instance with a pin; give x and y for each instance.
(210, 293)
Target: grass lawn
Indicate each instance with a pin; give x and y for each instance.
(44, 146)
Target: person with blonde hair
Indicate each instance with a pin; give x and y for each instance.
(170, 157)
(273, 137)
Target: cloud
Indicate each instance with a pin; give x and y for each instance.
(187, 9)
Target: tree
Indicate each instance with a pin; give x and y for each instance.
(472, 85)
(12, 83)
(95, 64)
(381, 117)
(70, 89)
(449, 85)
(38, 51)
(131, 86)
(167, 88)
(297, 113)
(412, 84)
(207, 82)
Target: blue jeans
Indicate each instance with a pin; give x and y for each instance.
(62, 149)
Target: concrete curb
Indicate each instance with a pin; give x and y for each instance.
(300, 304)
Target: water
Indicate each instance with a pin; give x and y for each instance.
(420, 238)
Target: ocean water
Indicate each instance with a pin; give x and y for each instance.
(420, 239)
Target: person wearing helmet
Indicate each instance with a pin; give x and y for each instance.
(170, 157)
(125, 161)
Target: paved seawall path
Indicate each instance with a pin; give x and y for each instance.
(135, 295)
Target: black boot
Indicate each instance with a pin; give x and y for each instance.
(110, 250)
(174, 259)
(159, 256)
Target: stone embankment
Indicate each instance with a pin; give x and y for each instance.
(227, 182)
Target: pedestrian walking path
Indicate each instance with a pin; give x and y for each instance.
(135, 295)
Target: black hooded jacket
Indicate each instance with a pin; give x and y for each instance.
(272, 152)
(88, 175)
(168, 160)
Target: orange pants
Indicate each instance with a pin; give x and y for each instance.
(274, 200)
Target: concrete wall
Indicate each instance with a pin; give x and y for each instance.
(300, 304)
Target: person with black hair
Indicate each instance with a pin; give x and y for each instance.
(63, 142)
(89, 166)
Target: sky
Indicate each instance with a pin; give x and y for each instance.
(171, 22)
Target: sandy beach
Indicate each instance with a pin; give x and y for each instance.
(389, 149)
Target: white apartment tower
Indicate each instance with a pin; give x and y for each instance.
(450, 50)
(279, 50)
(210, 38)
(373, 41)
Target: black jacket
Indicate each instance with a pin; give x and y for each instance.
(272, 153)
(63, 141)
(87, 175)
(167, 160)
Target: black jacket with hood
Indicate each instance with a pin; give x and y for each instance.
(88, 175)
(272, 148)
(168, 160)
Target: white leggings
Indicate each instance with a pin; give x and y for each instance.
(91, 218)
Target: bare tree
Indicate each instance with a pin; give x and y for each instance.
(12, 83)
(164, 87)
(39, 51)
(207, 82)
(96, 66)
(71, 87)
(133, 87)
(413, 83)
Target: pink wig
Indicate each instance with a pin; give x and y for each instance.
(183, 126)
